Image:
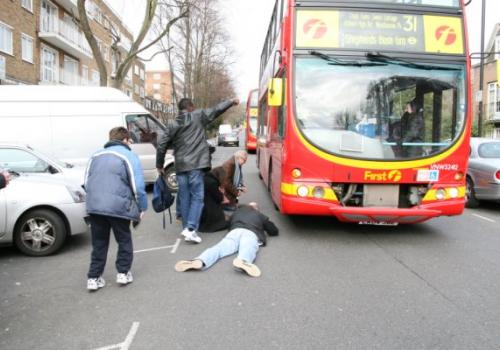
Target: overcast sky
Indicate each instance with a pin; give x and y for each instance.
(247, 21)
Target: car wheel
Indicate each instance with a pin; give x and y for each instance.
(171, 178)
(470, 195)
(40, 232)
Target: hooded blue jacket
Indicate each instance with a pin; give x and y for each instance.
(115, 184)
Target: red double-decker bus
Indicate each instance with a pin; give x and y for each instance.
(364, 109)
(251, 114)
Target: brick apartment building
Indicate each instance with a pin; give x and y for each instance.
(491, 89)
(41, 43)
(159, 95)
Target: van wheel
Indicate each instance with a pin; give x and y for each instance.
(470, 195)
(39, 233)
(171, 178)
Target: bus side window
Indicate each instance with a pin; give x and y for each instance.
(263, 110)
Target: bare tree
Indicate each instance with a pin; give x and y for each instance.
(125, 62)
(200, 53)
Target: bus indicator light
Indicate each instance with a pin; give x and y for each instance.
(296, 173)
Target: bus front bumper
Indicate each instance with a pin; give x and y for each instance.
(372, 215)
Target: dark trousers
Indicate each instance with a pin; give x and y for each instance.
(100, 227)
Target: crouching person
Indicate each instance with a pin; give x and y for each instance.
(115, 196)
(248, 229)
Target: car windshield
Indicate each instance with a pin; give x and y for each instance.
(489, 150)
(379, 109)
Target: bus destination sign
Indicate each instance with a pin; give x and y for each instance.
(379, 31)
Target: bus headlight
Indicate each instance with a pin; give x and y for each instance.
(453, 192)
(302, 191)
(440, 194)
(318, 192)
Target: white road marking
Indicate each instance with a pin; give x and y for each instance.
(127, 342)
(176, 245)
(483, 217)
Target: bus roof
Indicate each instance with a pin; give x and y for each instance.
(61, 93)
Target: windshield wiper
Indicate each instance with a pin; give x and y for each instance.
(338, 62)
(13, 172)
(377, 56)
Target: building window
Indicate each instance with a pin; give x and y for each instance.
(128, 78)
(3, 69)
(143, 94)
(49, 65)
(96, 78)
(157, 96)
(136, 69)
(70, 71)
(27, 4)
(143, 75)
(6, 39)
(497, 48)
(27, 48)
(493, 101)
(48, 19)
(157, 76)
(85, 75)
(156, 86)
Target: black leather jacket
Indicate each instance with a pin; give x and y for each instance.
(186, 136)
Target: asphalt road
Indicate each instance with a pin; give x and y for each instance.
(324, 285)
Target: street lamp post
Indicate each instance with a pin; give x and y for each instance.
(481, 73)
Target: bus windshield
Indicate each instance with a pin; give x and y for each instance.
(442, 3)
(252, 124)
(391, 110)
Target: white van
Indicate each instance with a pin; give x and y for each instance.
(71, 123)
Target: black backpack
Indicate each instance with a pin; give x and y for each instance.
(162, 198)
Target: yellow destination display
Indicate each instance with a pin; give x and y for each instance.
(379, 31)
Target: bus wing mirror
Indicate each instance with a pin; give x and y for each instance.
(275, 92)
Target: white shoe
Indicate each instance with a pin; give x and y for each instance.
(95, 283)
(185, 232)
(124, 279)
(192, 236)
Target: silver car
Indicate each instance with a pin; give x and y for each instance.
(38, 212)
(24, 159)
(483, 174)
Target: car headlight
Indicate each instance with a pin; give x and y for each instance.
(78, 194)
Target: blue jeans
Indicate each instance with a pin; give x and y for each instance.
(240, 240)
(191, 195)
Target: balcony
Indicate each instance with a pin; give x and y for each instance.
(66, 36)
(124, 44)
(69, 5)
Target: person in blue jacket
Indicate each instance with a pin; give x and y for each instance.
(116, 196)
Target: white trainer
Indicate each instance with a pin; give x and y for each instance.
(192, 236)
(95, 283)
(124, 279)
(185, 232)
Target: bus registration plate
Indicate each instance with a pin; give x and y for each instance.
(378, 223)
